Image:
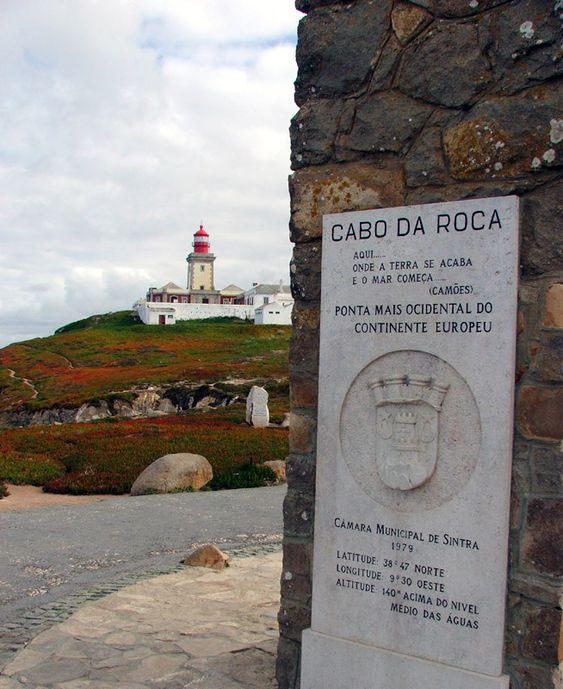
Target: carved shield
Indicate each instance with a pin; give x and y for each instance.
(406, 446)
(407, 426)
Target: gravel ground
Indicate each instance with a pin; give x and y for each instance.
(32, 497)
(56, 558)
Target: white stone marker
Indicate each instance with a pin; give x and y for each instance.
(417, 359)
(257, 412)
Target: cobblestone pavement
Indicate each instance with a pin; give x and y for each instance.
(193, 627)
(56, 559)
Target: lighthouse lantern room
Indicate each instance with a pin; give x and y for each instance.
(201, 243)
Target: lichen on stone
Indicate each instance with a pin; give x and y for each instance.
(527, 29)
(549, 155)
(556, 129)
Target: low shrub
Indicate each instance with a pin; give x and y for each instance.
(32, 470)
(3, 490)
(246, 476)
(107, 456)
(91, 481)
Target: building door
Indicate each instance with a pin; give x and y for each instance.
(161, 320)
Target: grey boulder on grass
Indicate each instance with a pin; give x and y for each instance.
(181, 471)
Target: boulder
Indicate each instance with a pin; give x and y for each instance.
(172, 472)
(207, 555)
(122, 408)
(92, 412)
(145, 402)
(278, 467)
(165, 406)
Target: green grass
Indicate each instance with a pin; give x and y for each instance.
(100, 355)
(118, 319)
(29, 469)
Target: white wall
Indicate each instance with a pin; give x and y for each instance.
(149, 315)
(149, 312)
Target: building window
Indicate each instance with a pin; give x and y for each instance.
(184, 300)
(201, 287)
(266, 300)
(157, 298)
(202, 268)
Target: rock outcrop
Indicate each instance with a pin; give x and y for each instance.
(92, 412)
(137, 403)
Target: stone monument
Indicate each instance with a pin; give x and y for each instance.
(257, 412)
(416, 394)
(406, 102)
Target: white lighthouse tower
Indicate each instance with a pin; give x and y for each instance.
(201, 278)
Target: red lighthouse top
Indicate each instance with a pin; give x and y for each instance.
(201, 241)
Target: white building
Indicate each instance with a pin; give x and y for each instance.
(260, 294)
(273, 312)
(170, 293)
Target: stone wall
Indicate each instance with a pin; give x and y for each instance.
(415, 102)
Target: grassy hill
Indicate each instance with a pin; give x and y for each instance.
(99, 356)
(94, 357)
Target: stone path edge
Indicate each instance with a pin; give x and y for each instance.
(14, 636)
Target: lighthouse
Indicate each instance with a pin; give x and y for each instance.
(201, 280)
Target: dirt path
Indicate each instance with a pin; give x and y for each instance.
(64, 358)
(25, 381)
(30, 497)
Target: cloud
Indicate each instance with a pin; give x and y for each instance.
(124, 125)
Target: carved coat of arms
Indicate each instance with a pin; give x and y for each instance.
(407, 423)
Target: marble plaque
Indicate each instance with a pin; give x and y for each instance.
(417, 360)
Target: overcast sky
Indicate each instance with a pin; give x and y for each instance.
(123, 125)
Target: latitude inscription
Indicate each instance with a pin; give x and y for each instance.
(416, 371)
